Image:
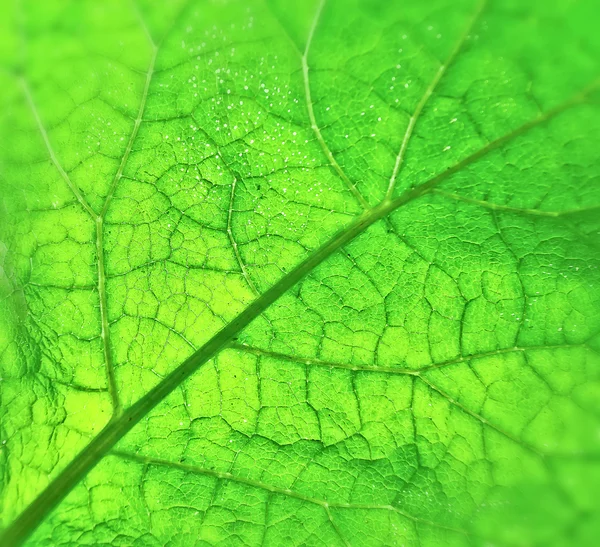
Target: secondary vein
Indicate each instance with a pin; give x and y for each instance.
(73, 187)
(136, 126)
(396, 369)
(425, 98)
(99, 246)
(518, 210)
(220, 475)
(311, 113)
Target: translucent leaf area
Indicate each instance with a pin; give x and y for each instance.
(309, 273)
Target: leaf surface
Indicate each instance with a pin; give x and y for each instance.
(314, 274)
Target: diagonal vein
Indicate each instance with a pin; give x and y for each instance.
(480, 418)
(99, 247)
(403, 371)
(311, 113)
(577, 99)
(104, 323)
(74, 189)
(29, 519)
(219, 475)
(136, 126)
(428, 92)
(101, 265)
(236, 250)
(519, 210)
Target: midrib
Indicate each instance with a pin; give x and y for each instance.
(116, 429)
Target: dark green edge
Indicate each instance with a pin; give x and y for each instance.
(26, 523)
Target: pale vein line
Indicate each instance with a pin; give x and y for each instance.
(105, 328)
(503, 351)
(221, 475)
(101, 287)
(234, 244)
(418, 373)
(335, 526)
(76, 192)
(395, 369)
(518, 210)
(427, 187)
(428, 92)
(243, 269)
(105, 334)
(320, 363)
(311, 113)
(481, 419)
(136, 126)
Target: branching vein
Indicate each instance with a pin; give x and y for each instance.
(234, 244)
(423, 101)
(74, 189)
(518, 210)
(311, 113)
(106, 343)
(101, 286)
(105, 328)
(136, 126)
(326, 505)
(396, 369)
(480, 418)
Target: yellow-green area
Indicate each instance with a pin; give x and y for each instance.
(309, 273)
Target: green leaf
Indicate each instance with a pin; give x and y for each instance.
(300, 273)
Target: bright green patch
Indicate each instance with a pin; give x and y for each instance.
(300, 273)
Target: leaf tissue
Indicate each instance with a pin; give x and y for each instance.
(313, 273)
